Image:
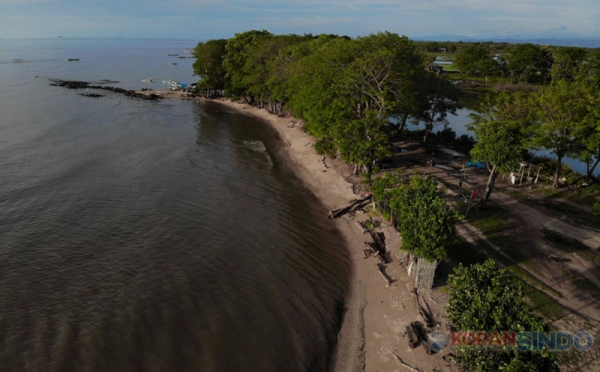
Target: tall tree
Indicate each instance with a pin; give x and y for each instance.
(589, 132)
(501, 130)
(426, 220)
(529, 63)
(567, 62)
(486, 298)
(589, 70)
(439, 97)
(236, 58)
(348, 90)
(259, 64)
(209, 64)
(560, 111)
(476, 60)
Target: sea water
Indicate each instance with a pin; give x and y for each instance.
(152, 236)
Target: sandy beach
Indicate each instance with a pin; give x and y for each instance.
(373, 335)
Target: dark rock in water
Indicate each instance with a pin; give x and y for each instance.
(106, 81)
(69, 84)
(93, 95)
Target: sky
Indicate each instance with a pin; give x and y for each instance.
(201, 19)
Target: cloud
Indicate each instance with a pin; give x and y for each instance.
(352, 17)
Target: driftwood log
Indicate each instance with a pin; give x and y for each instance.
(352, 207)
(378, 245)
(419, 330)
(361, 227)
(425, 313)
(380, 268)
(413, 340)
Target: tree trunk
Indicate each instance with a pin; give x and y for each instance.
(490, 185)
(558, 169)
(590, 171)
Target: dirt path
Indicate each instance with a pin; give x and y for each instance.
(528, 231)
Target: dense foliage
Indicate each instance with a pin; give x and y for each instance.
(354, 94)
(426, 222)
(357, 95)
(486, 298)
(502, 129)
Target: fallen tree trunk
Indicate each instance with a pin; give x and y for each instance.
(355, 205)
(361, 227)
(380, 268)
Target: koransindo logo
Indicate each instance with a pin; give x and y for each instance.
(523, 341)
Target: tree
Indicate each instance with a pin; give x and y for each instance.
(236, 58)
(530, 63)
(439, 98)
(501, 131)
(560, 113)
(209, 64)
(589, 70)
(476, 60)
(486, 298)
(426, 220)
(348, 90)
(567, 62)
(259, 64)
(589, 132)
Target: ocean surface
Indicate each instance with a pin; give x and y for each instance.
(152, 236)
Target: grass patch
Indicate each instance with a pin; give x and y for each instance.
(516, 195)
(543, 304)
(564, 243)
(567, 212)
(581, 282)
(466, 253)
(490, 220)
(524, 275)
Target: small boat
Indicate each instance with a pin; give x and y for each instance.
(171, 63)
(73, 59)
(172, 54)
(181, 56)
(149, 80)
(170, 81)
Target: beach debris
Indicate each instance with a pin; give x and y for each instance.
(426, 314)
(419, 330)
(381, 271)
(361, 227)
(352, 207)
(378, 246)
(403, 363)
(413, 340)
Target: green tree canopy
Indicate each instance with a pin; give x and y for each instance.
(476, 60)
(236, 58)
(502, 129)
(209, 63)
(560, 112)
(438, 98)
(486, 298)
(567, 62)
(348, 90)
(426, 220)
(530, 63)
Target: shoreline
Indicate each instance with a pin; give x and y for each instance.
(372, 335)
